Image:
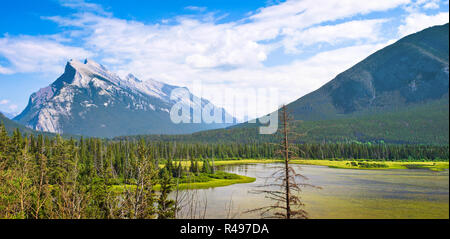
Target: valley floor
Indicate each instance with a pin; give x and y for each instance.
(211, 182)
(222, 179)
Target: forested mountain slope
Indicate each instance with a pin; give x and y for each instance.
(411, 71)
(419, 124)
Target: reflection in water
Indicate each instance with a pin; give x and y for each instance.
(345, 193)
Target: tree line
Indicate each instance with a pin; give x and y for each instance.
(334, 151)
(52, 177)
(42, 177)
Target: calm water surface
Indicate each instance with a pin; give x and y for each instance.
(344, 193)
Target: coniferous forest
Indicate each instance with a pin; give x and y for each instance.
(52, 177)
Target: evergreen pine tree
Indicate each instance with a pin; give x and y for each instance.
(166, 206)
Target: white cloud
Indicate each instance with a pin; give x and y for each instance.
(34, 54)
(418, 21)
(5, 71)
(228, 54)
(196, 8)
(293, 80)
(84, 6)
(431, 5)
(198, 50)
(13, 107)
(309, 12)
(428, 4)
(191, 44)
(298, 78)
(7, 107)
(334, 34)
(420, 5)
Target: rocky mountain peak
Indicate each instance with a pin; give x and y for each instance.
(88, 99)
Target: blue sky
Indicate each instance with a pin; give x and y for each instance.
(294, 45)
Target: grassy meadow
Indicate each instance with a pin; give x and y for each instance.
(348, 164)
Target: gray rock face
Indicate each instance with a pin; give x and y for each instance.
(89, 100)
(413, 70)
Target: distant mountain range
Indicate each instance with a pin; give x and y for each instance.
(92, 101)
(11, 125)
(7, 115)
(399, 94)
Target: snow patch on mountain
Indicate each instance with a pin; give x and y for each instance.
(148, 87)
(87, 88)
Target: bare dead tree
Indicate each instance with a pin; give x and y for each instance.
(188, 203)
(229, 209)
(286, 198)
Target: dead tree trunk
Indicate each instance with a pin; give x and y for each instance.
(286, 162)
(287, 202)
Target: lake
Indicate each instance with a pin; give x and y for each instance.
(344, 193)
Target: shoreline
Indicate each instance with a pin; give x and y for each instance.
(349, 164)
(213, 183)
(340, 164)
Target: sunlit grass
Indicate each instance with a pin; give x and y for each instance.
(434, 166)
(366, 164)
(212, 183)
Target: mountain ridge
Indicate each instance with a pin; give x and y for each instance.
(411, 70)
(87, 99)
